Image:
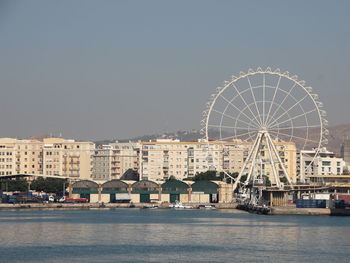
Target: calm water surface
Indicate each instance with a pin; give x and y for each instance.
(132, 235)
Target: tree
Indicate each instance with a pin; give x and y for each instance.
(283, 180)
(243, 178)
(267, 180)
(49, 185)
(208, 175)
(172, 177)
(17, 185)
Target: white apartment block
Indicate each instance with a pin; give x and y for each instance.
(325, 163)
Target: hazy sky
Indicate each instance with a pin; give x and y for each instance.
(117, 69)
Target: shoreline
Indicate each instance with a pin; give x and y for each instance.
(51, 206)
(285, 211)
(293, 211)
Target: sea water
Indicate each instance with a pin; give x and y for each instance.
(157, 235)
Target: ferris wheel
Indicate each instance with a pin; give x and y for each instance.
(263, 107)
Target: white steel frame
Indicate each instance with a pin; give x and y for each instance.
(263, 126)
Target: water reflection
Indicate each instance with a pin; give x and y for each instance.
(170, 236)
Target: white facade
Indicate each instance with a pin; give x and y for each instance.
(326, 163)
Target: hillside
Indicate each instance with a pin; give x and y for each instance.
(335, 138)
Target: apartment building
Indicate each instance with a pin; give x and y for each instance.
(52, 156)
(20, 156)
(125, 157)
(114, 160)
(102, 163)
(162, 159)
(235, 155)
(325, 163)
(166, 158)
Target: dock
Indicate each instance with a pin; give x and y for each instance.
(293, 211)
(4, 206)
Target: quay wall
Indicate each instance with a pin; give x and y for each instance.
(299, 211)
(104, 205)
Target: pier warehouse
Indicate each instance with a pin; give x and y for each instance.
(146, 191)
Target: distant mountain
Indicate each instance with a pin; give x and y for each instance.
(39, 137)
(185, 136)
(336, 136)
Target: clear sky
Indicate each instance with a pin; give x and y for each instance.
(117, 69)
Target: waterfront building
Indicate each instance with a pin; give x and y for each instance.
(146, 191)
(235, 154)
(115, 160)
(125, 158)
(20, 156)
(325, 163)
(102, 163)
(51, 156)
(155, 160)
(164, 159)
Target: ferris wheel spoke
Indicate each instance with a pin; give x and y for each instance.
(293, 118)
(233, 118)
(255, 102)
(250, 136)
(264, 88)
(297, 103)
(307, 130)
(229, 127)
(278, 127)
(280, 105)
(294, 136)
(244, 110)
(241, 111)
(301, 107)
(296, 127)
(246, 133)
(235, 136)
(273, 100)
(244, 101)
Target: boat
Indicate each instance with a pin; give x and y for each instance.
(208, 207)
(149, 207)
(179, 205)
